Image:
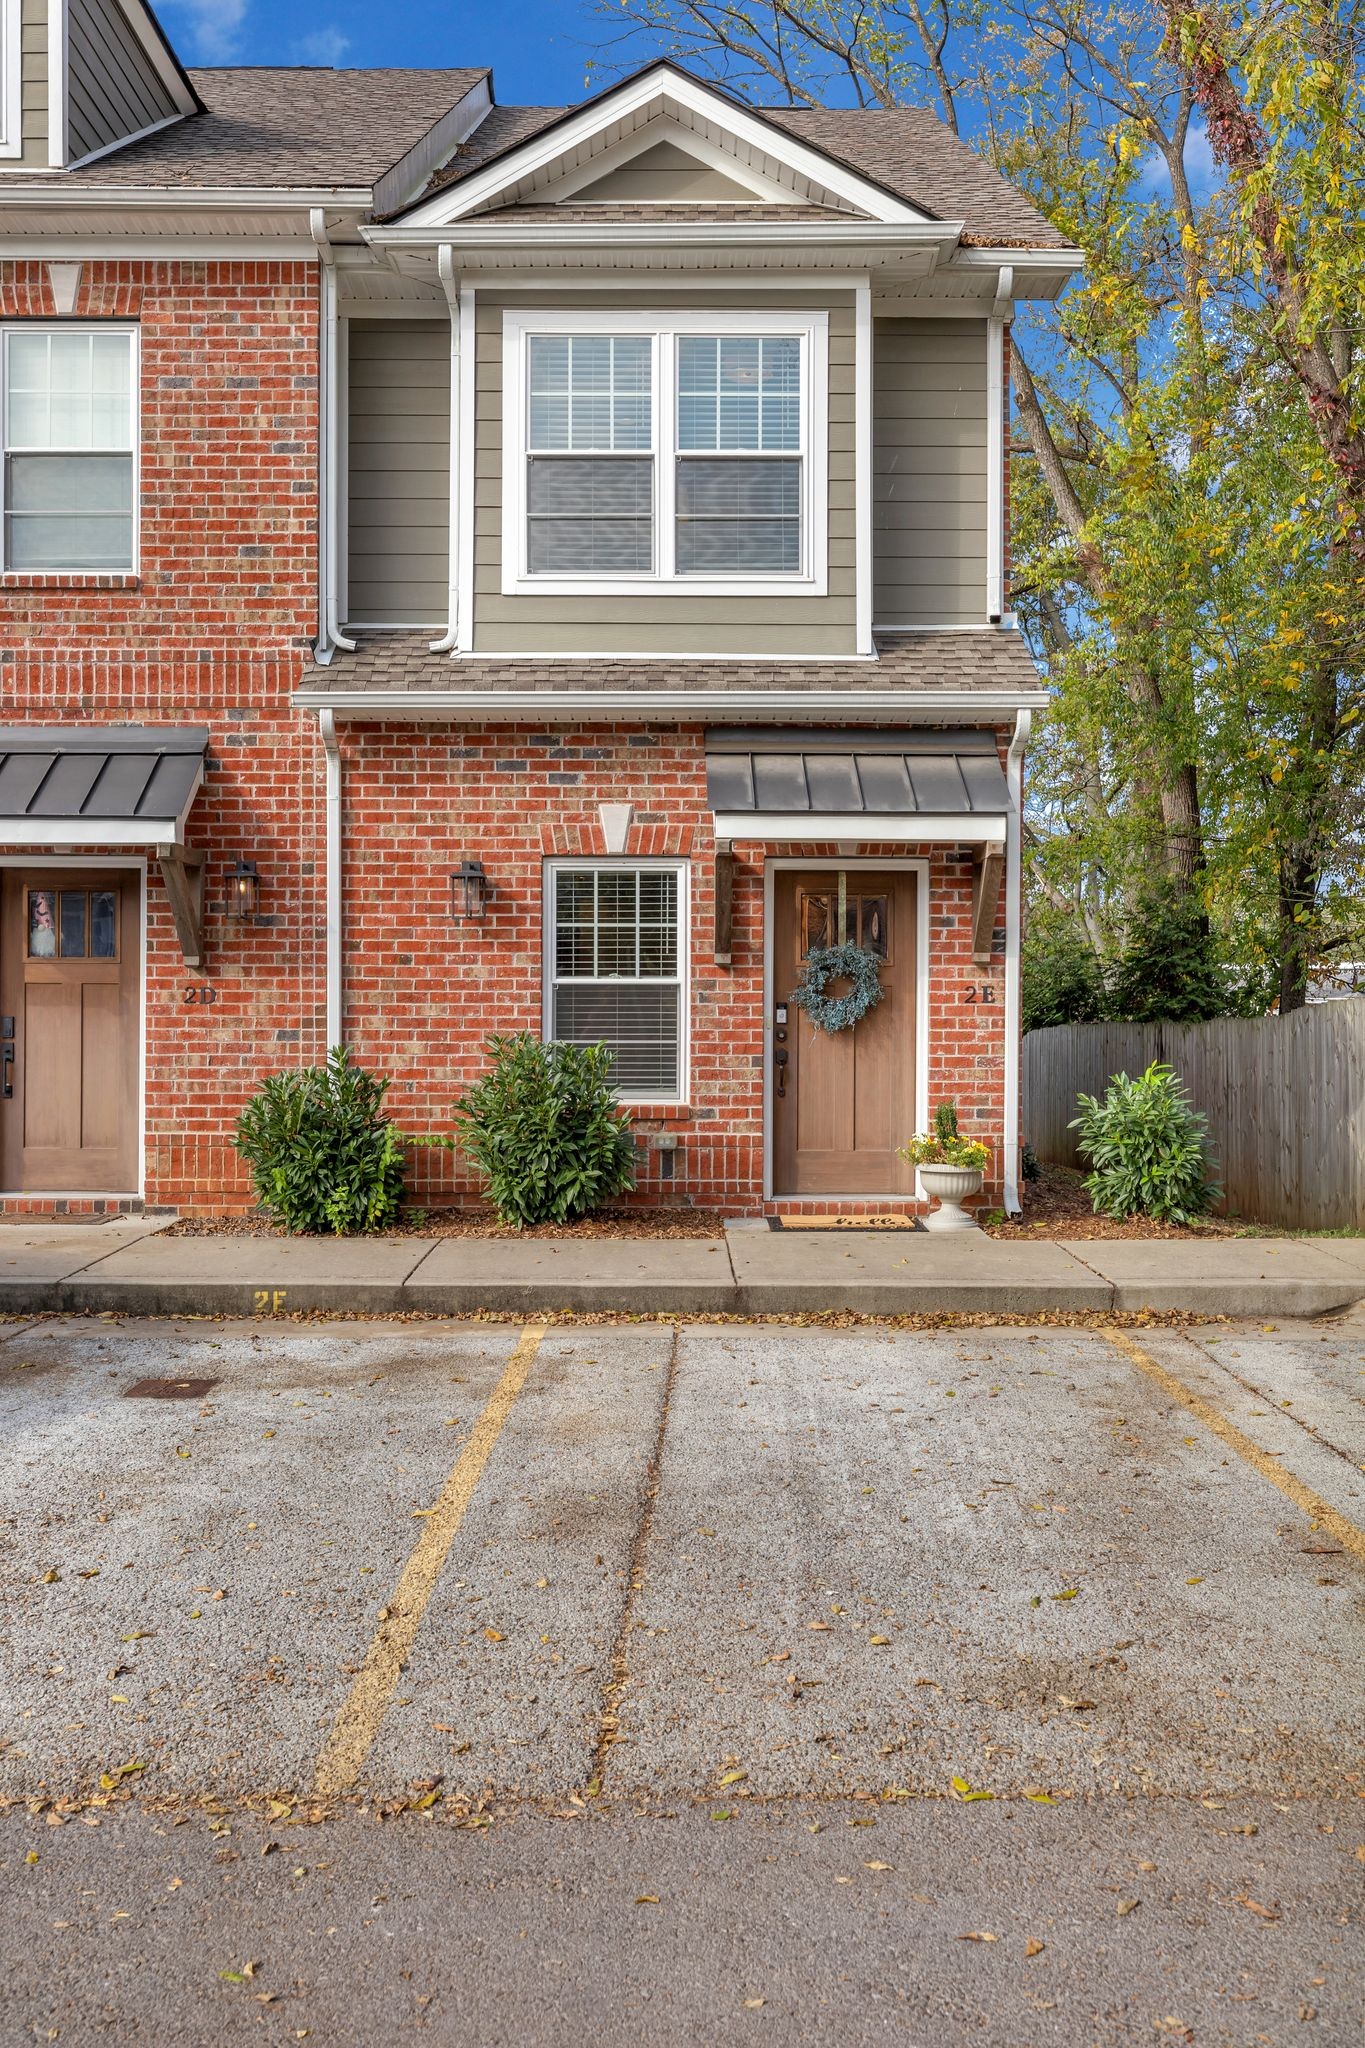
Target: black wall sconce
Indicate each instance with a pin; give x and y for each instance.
(243, 891)
(470, 890)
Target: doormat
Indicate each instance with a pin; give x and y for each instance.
(842, 1223)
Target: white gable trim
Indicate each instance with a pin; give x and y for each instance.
(665, 127)
(656, 88)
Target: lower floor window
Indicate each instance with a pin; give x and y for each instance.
(615, 970)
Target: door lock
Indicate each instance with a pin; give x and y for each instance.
(780, 1058)
(7, 1058)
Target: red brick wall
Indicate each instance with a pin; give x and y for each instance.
(214, 631)
(423, 992)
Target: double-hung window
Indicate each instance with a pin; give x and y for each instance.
(616, 963)
(683, 450)
(70, 436)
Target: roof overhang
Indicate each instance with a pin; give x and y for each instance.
(133, 785)
(672, 707)
(661, 89)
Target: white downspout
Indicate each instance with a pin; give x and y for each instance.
(1014, 896)
(995, 446)
(327, 727)
(330, 635)
(445, 265)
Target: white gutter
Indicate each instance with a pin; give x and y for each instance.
(940, 238)
(330, 635)
(1014, 876)
(445, 268)
(725, 706)
(132, 199)
(327, 727)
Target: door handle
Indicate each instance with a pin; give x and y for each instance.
(7, 1063)
(780, 1058)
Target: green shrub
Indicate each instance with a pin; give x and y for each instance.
(544, 1129)
(1146, 1148)
(322, 1154)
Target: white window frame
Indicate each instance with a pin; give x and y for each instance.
(11, 77)
(32, 569)
(630, 865)
(664, 327)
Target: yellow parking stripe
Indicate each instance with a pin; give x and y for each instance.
(357, 1724)
(1312, 1504)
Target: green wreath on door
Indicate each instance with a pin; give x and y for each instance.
(857, 965)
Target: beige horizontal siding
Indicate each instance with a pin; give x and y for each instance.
(929, 483)
(398, 472)
(33, 84)
(668, 623)
(662, 176)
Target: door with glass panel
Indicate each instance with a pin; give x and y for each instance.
(70, 952)
(844, 1101)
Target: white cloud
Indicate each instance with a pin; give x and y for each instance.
(214, 29)
(1203, 174)
(323, 46)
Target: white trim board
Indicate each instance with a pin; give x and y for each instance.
(758, 828)
(662, 89)
(918, 868)
(11, 79)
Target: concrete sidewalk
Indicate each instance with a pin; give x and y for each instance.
(132, 1267)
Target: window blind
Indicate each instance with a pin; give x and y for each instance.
(68, 449)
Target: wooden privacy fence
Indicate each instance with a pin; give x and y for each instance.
(1284, 1097)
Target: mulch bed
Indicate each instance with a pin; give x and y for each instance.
(1057, 1205)
(474, 1222)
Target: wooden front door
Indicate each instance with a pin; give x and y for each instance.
(70, 953)
(843, 1101)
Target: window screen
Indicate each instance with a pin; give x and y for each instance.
(616, 971)
(739, 454)
(590, 441)
(68, 449)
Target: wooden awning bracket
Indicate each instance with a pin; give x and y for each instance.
(182, 871)
(723, 939)
(988, 873)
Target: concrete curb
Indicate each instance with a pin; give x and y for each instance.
(1288, 1298)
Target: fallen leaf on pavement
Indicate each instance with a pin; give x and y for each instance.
(976, 1936)
(1034, 1948)
(1127, 1906)
(1255, 1906)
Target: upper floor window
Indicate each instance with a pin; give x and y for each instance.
(648, 449)
(70, 436)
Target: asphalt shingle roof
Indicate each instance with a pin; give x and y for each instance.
(910, 663)
(287, 126)
(299, 127)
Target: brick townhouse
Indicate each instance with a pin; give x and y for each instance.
(471, 568)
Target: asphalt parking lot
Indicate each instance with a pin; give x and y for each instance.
(682, 1661)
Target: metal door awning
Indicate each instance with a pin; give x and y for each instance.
(116, 786)
(113, 786)
(898, 787)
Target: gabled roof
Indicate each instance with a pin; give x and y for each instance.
(906, 151)
(286, 126)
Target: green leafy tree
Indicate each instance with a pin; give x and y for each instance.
(1187, 431)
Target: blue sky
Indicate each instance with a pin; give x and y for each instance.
(538, 48)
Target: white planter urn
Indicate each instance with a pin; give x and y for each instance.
(951, 1185)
